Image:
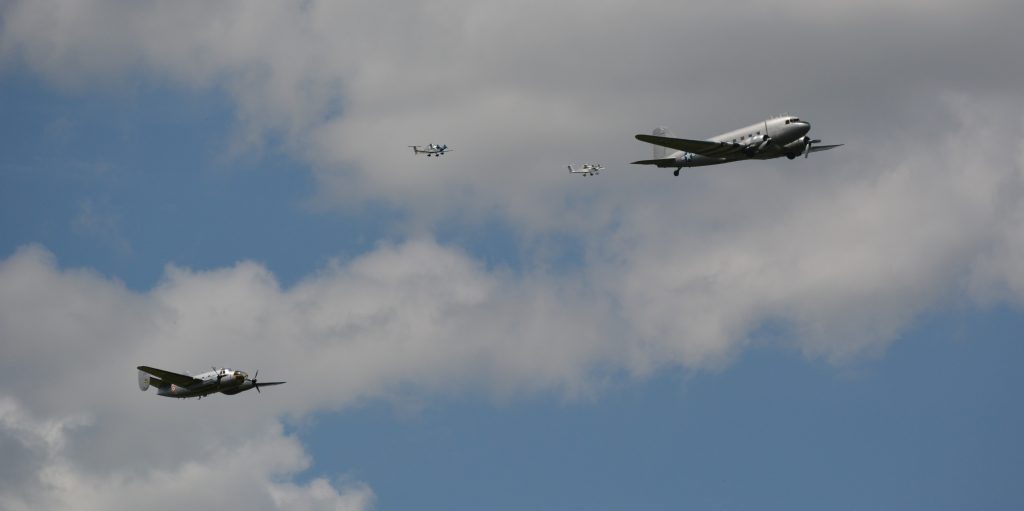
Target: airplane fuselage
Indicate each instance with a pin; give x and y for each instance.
(785, 137)
(231, 382)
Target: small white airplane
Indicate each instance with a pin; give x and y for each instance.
(778, 136)
(431, 149)
(588, 169)
(223, 380)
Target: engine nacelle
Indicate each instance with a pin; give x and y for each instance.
(757, 145)
(143, 381)
(796, 147)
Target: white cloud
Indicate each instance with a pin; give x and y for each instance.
(520, 90)
(842, 256)
(842, 251)
(843, 261)
(416, 318)
(245, 476)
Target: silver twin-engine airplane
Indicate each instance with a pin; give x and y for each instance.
(431, 149)
(223, 380)
(778, 136)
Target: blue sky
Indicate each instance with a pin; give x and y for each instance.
(934, 424)
(122, 152)
(484, 330)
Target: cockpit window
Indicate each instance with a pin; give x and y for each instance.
(795, 119)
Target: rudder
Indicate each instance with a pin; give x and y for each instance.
(659, 151)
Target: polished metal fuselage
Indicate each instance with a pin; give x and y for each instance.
(230, 382)
(781, 131)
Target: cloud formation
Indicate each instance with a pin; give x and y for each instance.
(50, 476)
(841, 252)
(415, 319)
(520, 89)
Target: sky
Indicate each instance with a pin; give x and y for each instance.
(190, 184)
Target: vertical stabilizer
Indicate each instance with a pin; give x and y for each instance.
(659, 151)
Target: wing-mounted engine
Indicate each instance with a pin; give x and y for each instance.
(757, 145)
(143, 381)
(799, 146)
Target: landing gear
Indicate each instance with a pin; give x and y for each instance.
(790, 156)
(676, 173)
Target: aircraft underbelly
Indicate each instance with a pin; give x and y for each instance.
(694, 160)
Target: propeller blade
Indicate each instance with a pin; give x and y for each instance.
(220, 375)
(807, 149)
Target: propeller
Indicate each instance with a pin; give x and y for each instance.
(257, 385)
(757, 146)
(220, 374)
(807, 148)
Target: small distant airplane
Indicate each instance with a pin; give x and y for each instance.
(223, 380)
(588, 169)
(778, 136)
(431, 149)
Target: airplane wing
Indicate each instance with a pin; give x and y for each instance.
(816, 148)
(701, 147)
(180, 380)
(661, 162)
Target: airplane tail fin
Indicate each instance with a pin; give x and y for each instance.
(143, 381)
(660, 152)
